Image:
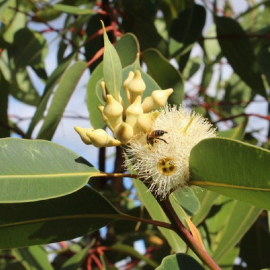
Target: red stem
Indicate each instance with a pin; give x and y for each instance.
(181, 230)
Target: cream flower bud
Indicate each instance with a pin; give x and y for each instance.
(136, 86)
(100, 138)
(157, 99)
(123, 132)
(104, 92)
(113, 111)
(133, 111)
(125, 84)
(145, 122)
(82, 132)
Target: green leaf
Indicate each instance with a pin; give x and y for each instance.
(4, 127)
(226, 224)
(157, 213)
(34, 257)
(127, 48)
(36, 170)
(59, 219)
(60, 99)
(238, 50)
(92, 98)
(73, 9)
(237, 133)
(50, 85)
(76, 260)
(187, 200)
(33, 50)
(112, 68)
(258, 238)
(264, 61)
(179, 261)
(165, 74)
(232, 168)
(20, 85)
(187, 27)
(207, 199)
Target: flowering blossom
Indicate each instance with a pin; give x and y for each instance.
(166, 162)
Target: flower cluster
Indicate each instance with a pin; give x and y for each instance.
(157, 142)
(126, 122)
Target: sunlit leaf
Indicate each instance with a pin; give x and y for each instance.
(50, 85)
(60, 99)
(36, 170)
(232, 168)
(112, 68)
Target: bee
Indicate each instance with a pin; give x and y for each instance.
(155, 135)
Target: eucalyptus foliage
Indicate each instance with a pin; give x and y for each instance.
(50, 194)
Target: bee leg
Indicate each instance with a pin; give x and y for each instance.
(162, 140)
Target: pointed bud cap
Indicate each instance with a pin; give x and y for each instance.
(82, 132)
(113, 111)
(136, 86)
(125, 84)
(100, 138)
(157, 99)
(123, 132)
(133, 111)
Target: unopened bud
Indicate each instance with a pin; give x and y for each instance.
(157, 99)
(136, 86)
(123, 132)
(145, 122)
(125, 84)
(104, 92)
(113, 111)
(100, 138)
(133, 111)
(82, 132)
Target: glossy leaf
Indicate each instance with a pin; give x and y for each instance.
(240, 54)
(112, 68)
(165, 74)
(179, 261)
(64, 218)
(50, 85)
(60, 99)
(232, 168)
(34, 257)
(33, 170)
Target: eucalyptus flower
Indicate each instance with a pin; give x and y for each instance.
(163, 161)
